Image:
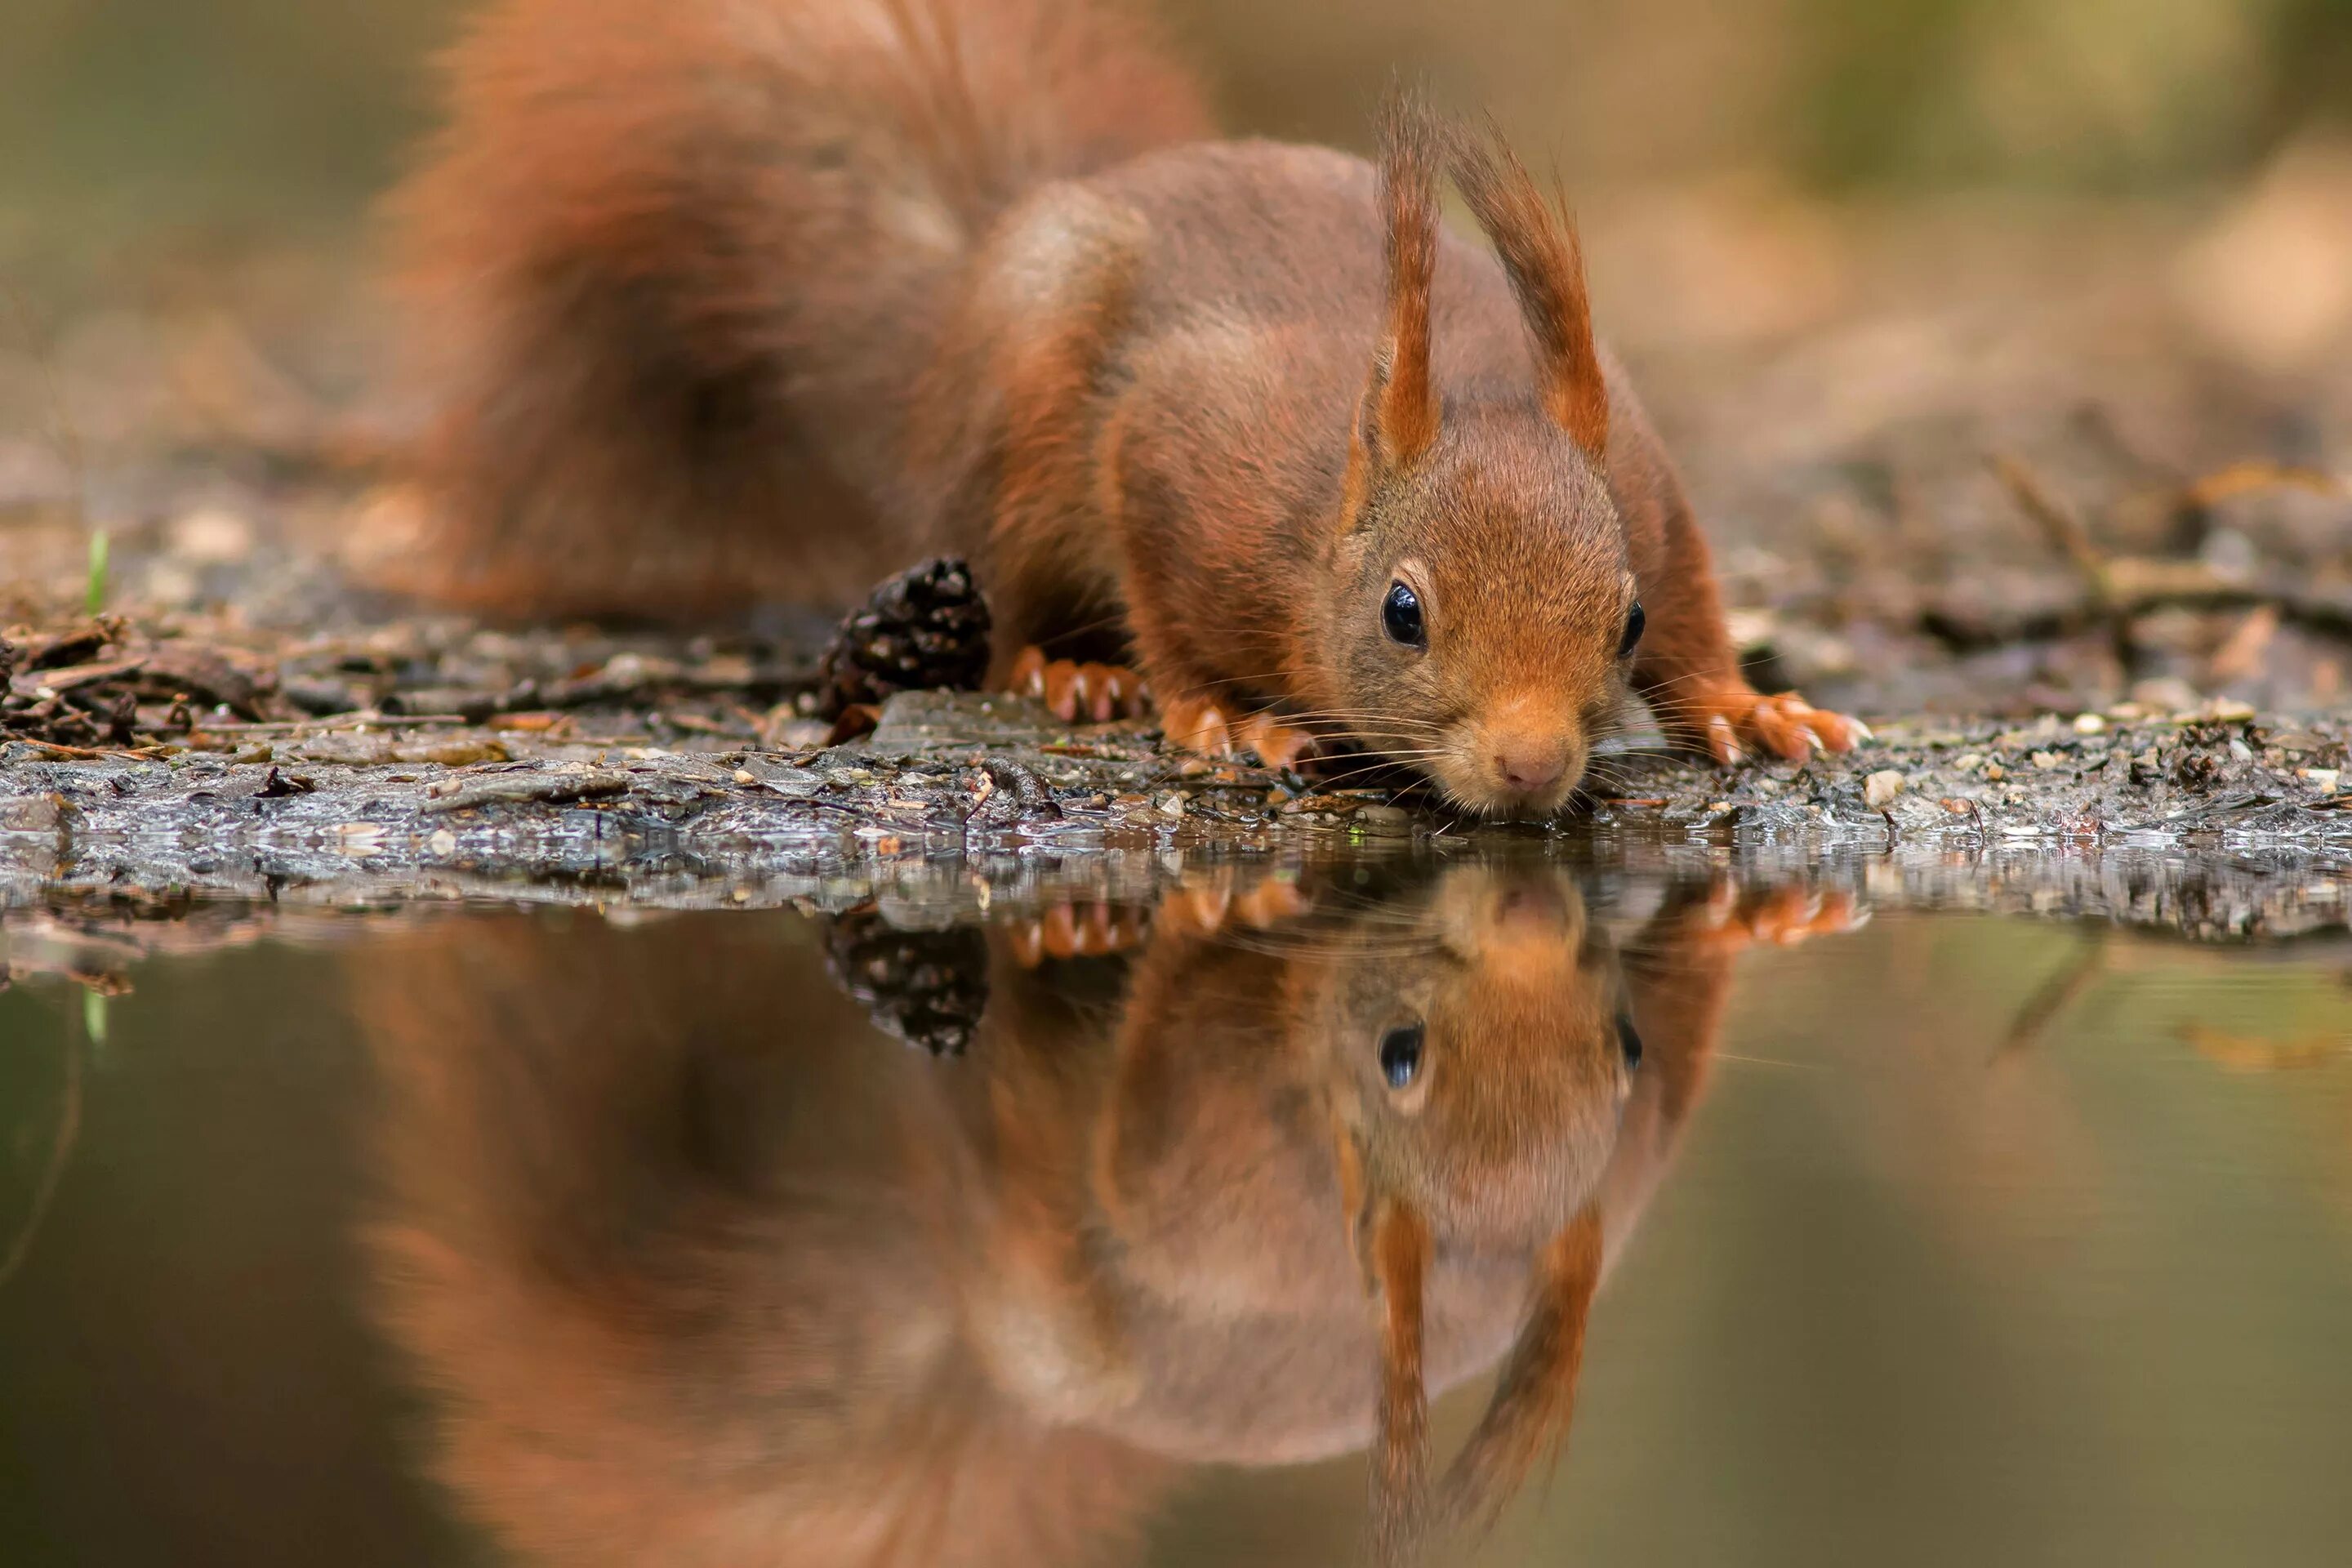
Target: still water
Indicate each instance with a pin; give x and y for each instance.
(1800, 1234)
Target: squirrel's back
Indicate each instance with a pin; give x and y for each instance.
(676, 264)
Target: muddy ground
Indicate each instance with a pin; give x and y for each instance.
(2078, 547)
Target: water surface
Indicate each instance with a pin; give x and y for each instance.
(1079, 1234)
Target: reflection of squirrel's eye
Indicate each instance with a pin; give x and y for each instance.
(1400, 616)
(1634, 621)
(1628, 1040)
(1400, 1054)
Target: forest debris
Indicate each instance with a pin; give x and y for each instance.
(925, 629)
(2065, 527)
(510, 789)
(2242, 655)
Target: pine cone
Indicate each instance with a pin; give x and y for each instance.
(927, 988)
(925, 629)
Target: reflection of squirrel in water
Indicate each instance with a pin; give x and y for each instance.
(693, 1284)
(725, 299)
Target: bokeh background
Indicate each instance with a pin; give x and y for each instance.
(1855, 249)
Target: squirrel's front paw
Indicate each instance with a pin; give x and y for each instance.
(1101, 693)
(1200, 724)
(1732, 721)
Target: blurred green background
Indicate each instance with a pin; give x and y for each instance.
(119, 114)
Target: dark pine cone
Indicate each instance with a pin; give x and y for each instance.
(925, 987)
(925, 629)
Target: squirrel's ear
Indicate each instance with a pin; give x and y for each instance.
(1398, 419)
(1534, 1398)
(1545, 262)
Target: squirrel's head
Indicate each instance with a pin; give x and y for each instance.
(1485, 611)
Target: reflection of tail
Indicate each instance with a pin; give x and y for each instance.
(667, 1314)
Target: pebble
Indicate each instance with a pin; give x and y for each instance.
(1880, 788)
(2090, 724)
(2324, 780)
(2047, 760)
(745, 777)
(2240, 751)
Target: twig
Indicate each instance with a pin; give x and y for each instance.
(2064, 527)
(60, 1148)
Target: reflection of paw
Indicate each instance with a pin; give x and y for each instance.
(1207, 909)
(1733, 720)
(1070, 931)
(1100, 692)
(1199, 724)
(1781, 916)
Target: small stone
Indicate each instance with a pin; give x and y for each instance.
(1172, 806)
(2165, 694)
(443, 843)
(745, 777)
(2090, 724)
(1969, 761)
(1995, 772)
(2240, 751)
(1880, 788)
(2324, 780)
(2229, 711)
(2047, 760)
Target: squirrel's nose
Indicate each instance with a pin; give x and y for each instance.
(1530, 766)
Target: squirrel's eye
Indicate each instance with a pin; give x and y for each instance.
(1400, 1054)
(1629, 1040)
(1634, 621)
(1400, 616)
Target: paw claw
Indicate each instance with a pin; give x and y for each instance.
(1785, 726)
(1096, 694)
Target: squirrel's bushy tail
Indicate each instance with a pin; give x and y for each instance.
(676, 266)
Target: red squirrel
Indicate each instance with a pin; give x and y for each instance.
(730, 298)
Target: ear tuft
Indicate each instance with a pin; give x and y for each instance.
(1545, 262)
(1534, 1398)
(1399, 414)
